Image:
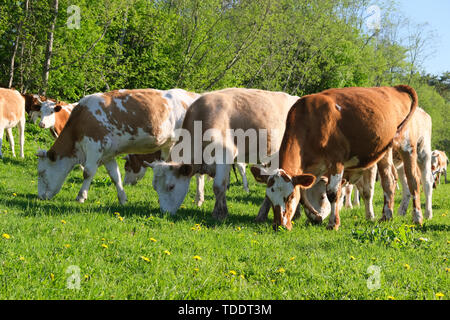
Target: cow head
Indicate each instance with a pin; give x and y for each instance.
(284, 193)
(171, 182)
(48, 110)
(52, 171)
(134, 170)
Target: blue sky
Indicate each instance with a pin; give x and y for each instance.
(437, 14)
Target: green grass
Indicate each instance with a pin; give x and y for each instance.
(240, 259)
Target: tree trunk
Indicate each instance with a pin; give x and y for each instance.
(16, 46)
(49, 50)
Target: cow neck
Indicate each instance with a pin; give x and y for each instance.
(61, 118)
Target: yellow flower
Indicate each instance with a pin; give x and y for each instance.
(6, 236)
(444, 214)
(87, 277)
(242, 277)
(439, 295)
(167, 252)
(117, 213)
(52, 276)
(120, 218)
(15, 194)
(152, 239)
(391, 298)
(233, 272)
(292, 259)
(145, 258)
(22, 258)
(196, 269)
(423, 239)
(238, 228)
(67, 245)
(104, 245)
(197, 258)
(63, 221)
(352, 258)
(407, 267)
(447, 269)
(281, 270)
(392, 259)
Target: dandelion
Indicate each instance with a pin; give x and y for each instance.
(423, 239)
(352, 258)
(238, 228)
(104, 245)
(407, 266)
(63, 221)
(22, 258)
(52, 276)
(272, 280)
(391, 259)
(281, 270)
(14, 194)
(196, 269)
(120, 219)
(117, 214)
(167, 252)
(145, 259)
(390, 298)
(87, 277)
(242, 277)
(197, 258)
(67, 246)
(152, 239)
(447, 269)
(292, 259)
(444, 214)
(6, 236)
(439, 295)
(233, 272)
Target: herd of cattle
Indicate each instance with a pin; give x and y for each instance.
(326, 143)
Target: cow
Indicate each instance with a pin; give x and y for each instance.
(33, 103)
(439, 163)
(104, 125)
(337, 129)
(12, 113)
(54, 115)
(135, 169)
(222, 111)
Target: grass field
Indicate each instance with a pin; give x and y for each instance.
(61, 249)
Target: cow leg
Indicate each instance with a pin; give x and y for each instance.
(355, 201)
(11, 141)
(88, 174)
(2, 131)
(21, 128)
(200, 195)
(221, 178)
(424, 162)
(264, 210)
(386, 170)
(409, 157)
(348, 196)
(334, 188)
(114, 173)
(406, 195)
(241, 169)
(367, 186)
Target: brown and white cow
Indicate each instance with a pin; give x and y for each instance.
(104, 125)
(439, 163)
(54, 115)
(337, 129)
(218, 113)
(12, 113)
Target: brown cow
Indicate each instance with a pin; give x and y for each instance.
(439, 163)
(351, 128)
(12, 113)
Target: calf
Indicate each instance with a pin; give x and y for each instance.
(247, 110)
(337, 129)
(439, 163)
(12, 113)
(104, 125)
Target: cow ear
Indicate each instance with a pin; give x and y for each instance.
(304, 180)
(57, 108)
(258, 174)
(51, 155)
(185, 170)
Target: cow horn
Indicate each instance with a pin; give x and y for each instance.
(151, 165)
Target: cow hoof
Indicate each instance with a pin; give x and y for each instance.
(80, 199)
(384, 219)
(220, 215)
(333, 227)
(260, 219)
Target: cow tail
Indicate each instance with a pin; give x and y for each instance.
(415, 102)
